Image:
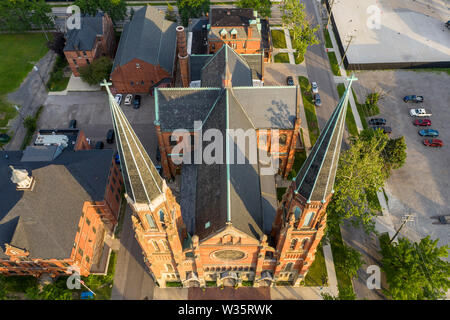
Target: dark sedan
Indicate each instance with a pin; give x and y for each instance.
(137, 101)
(377, 122)
(290, 81)
(384, 128)
(413, 98)
(317, 100)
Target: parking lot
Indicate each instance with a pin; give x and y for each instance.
(91, 110)
(422, 186)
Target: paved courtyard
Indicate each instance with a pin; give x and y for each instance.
(422, 186)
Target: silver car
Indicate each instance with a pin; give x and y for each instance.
(128, 99)
(314, 87)
(118, 98)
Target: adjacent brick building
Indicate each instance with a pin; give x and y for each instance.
(94, 39)
(146, 55)
(56, 212)
(225, 226)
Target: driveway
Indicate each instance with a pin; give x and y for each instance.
(422, 186)
(91, 110)
(275, 74)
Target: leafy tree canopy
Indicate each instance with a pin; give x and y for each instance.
(95, 72)
(262, 6)
(116, 9)
(192, 9)
(415, 271)
(21, 15)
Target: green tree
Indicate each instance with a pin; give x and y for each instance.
(395, 153)
(262, 6)
(21, 15)
(116, 9)
(49, 292)
(192, 9)
(345, 293)
(57, 44)
(351, 261)
(295, 19)
(415, 271)
(360, 170)
(30, 123)
(95, 72)
(170, 14)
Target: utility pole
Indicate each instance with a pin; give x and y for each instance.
(406, 218)
(345, 52)
(329, 13)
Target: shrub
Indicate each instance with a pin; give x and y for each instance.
(247, 283)
(211, 283)
(174, 284)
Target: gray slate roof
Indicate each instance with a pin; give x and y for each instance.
(44, 221)
(231, 16)
(315, 179)
(148, 37)
(84, 38)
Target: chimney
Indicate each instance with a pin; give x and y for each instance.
(183, 56)
(226, 78)
(21, 179)
(249, 33)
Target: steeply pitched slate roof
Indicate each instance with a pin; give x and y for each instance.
(148, 37)
(255, 62)
(196, 63)
(226, 63)
(84, 38)
(142, 181)
(44, 221)
(231, 17)
(178, 108)
(315, 179)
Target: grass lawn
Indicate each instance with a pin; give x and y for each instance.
(298, 59)
(435, 70)
(349, 118)
(328, 43)
(334, 64)
(299, 158)
(57, 81)
(282, 57)
(18, 54)
(364, 112)
(280, 193)
(278, 39)
(310, 109)
(102, 285)
(317, 274)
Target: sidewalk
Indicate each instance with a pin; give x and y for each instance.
(289, 50)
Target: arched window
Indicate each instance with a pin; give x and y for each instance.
(165, 245)
(150, 221)
(283, 139)
(308, 219)
(169, 267)
(288, 266)
(161, 216)
(293, 244)
(155, 245)
(297, 213)
(305, 243)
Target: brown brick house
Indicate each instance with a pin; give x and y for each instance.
(57, 214)
(146, 54)
(241, 29)
(96, 38)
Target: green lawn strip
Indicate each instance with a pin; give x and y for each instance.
(317, 274)
(280, 193)
(31, 129)
(361, 111)
(278, 39)
(334, 64)
(102, 285)
(349, 118)
(328, 43)
(18, 55)
(299, 158)
(7, 112)
(57, 81)
(337, 248)
(434, 70)
(282, 57)
(310, 110)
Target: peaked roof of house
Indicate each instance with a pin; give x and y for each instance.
(84, 39)
(221, 17)
(142, 181)
(315, 179)
(148, 37)
(44, 221)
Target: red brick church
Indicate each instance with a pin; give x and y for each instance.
(226, 226)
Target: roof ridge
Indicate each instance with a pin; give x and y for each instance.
(242, 107)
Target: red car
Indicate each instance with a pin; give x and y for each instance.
(422, 122)
(433, 143)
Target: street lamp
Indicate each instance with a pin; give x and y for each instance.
(35, 68)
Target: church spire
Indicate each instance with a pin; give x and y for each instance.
(315, 179)
(142, 181)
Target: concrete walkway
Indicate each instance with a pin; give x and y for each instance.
(289, 50)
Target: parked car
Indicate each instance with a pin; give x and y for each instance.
(128, 99)
(160, 170)
(137, 101)
(413, 98)
(99, 145)
(447, 24)
(117, 158)
(420, 113)
(433, 143)
(158, 155)
(73, 124)
(377, 122)
(317, 100)
(4, 137)
(429, 133)
(110, 136)
(118, 98)
(314, 87)
(290, 81)
(384, 128)
(422, 122)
